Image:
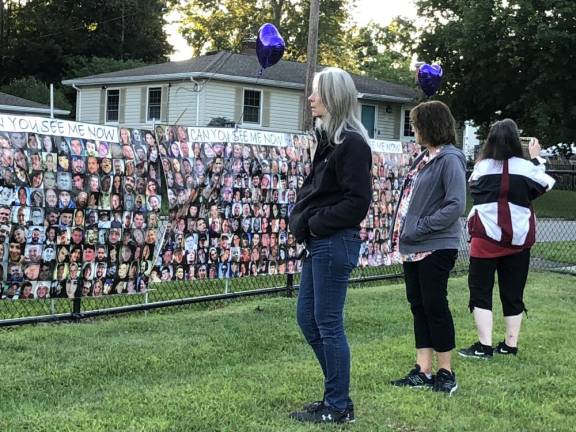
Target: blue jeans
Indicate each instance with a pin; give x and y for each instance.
(320, 309)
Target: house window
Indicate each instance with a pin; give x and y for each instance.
(154, 103)
(251, 112)
(112, 105)
(408, 131)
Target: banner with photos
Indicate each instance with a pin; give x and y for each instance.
(231, 191)
(78, 215)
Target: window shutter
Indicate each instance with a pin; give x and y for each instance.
(239, 105)
(265, 108)
(143, 104)
(164, 103)
(102, 114)
(122, 106)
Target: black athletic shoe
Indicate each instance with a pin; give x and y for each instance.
(324, 414)
(445, 382)
(313, 406)
(317, 405)
(504, 349)
(477, 350)
(414, 379)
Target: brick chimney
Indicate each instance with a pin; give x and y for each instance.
(248, 47)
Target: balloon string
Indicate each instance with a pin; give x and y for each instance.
(260, 72)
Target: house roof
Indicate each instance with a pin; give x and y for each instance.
(241, 68)
(17, 104)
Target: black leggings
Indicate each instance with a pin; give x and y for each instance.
(512, 273)
(427, 292)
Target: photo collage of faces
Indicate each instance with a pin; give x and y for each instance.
(229, 206)
(81, 217)
(77, 216)
(388, 172)
(230, 203)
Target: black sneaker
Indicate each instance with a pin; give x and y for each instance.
(313, 406)
(414, 379)
(504, 349)
(445, 382)
(323, 414)
(477, 350)
(317, 405)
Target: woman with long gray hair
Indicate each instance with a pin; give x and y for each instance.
(332, 202)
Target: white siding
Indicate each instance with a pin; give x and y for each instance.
(182, 104)
(89, 111)
(385, 122)
(285, 110)
(219, 100)
(132, 106)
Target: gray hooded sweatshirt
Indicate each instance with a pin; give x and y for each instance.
(438, 200)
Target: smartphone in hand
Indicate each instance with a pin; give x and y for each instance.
(525, 143)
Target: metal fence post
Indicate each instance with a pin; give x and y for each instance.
(289, 285)
(77, 302)
(146, 302)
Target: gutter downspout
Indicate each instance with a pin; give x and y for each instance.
(197, 90)
(78, 103)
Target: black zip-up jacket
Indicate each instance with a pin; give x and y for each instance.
(337, 193)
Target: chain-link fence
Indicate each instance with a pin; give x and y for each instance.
(555, 250)
(564, 172)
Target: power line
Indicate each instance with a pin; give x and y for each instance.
(82, 27)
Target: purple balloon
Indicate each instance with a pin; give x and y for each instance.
(430, 78)
(269, 45)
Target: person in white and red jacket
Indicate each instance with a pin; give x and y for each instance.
(502, 227)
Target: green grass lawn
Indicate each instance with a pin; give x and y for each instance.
(245, 366)
(554, 204)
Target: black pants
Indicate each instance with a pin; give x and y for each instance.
(512, 273)
(427, 293)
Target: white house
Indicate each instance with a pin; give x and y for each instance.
(228, 85)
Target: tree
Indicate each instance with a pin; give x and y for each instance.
(32, 89)
(380, 52)
(506, 59)
(43, 38)
(226, 24)
(44, 33)
(385, 52)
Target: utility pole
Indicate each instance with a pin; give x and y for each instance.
(312, 55)
(122, 35)
(1, 22)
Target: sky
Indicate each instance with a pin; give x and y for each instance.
(380, 11)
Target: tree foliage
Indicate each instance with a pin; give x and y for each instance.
(44, 38)
(385, 52)
(506, 59)
(380, 52)
(226, 24)
(35, 90)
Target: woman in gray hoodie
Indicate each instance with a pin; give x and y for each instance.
(425, 236)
